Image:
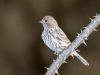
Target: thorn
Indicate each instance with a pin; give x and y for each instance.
(72, 56)
(57, 72)
(85, 27)
(95, 16)
(81, 30)
(53, 60)
(91, 19)
(84, 42)
(78, 35)
(65, 62)
(78, 50)
(86, 38)
(95, 30)
(46, 68)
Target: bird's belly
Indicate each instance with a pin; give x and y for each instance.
(53, 43)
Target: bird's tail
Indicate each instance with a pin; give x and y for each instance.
(80, 58)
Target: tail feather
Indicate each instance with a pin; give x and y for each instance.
(80, 58)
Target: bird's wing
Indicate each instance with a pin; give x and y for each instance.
(62, 36)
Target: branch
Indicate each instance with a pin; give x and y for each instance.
(73, 46)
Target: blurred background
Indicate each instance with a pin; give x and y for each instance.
(22, 51)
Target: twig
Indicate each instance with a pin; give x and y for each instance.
(73, 46)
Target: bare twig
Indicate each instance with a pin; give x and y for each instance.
(73, 46)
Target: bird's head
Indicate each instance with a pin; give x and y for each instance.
(48, 21)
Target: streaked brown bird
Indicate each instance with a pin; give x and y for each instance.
(55, 38)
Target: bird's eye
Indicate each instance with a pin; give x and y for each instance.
(45, 20)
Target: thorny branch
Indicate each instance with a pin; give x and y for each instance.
(73, 46)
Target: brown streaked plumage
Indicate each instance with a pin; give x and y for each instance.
(55, 38)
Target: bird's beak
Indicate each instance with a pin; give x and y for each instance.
(40, 22)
